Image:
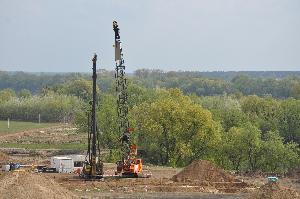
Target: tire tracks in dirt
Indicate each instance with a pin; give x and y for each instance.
(11, 136)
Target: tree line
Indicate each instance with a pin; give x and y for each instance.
(246, 134)
(282, 85)
(50, 107)
(278, 84)
(173, 126)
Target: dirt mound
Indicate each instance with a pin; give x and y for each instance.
(274, 191)
(203, 170)
(28, 185)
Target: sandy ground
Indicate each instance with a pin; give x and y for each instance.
(35, 185)
(28, 184)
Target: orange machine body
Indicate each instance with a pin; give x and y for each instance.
(132, 166)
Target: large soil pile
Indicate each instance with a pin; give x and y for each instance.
(274, 191)
(28, 185)
(203, 171)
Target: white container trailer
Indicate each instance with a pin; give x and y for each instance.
(62, 164)
(78, 162)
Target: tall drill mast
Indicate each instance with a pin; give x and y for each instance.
(121, 89)
(93, 167)
(130, 165)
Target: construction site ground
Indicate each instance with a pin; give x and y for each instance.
(214, 182)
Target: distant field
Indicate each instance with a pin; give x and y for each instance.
(68, 146)
(59, 137)
(21, 126)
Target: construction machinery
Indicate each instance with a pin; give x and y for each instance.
(129, 165)
(17, 167)
(93, 166)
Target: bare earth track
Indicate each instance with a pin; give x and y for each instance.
(28, 185)
(201, 179)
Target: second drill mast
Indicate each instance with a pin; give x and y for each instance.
(129, 165)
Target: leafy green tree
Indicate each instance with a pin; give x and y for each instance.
(223, 102)
(233, 148)
(231, 118)
(52, 108)
(80, 87)
(252, 143)
(278, 157)
(295, 91)
(225, 109)
(174, 131)
(241, 147)
(107, 121)
(7, 94)
(24, 93)
(263, 112)
(289, 120)
(47, 91)
(138, 95)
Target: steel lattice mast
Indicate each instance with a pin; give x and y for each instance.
(93, 166)
(121, 89)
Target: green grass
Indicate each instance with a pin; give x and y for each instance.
(74, 146)
(21, 126)
(16, 126)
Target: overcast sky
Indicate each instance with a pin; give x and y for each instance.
(202, 35)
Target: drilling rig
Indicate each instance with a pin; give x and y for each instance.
(93, 166)
(129, 165)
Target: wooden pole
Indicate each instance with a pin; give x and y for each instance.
(8, 123)
(39, 118)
